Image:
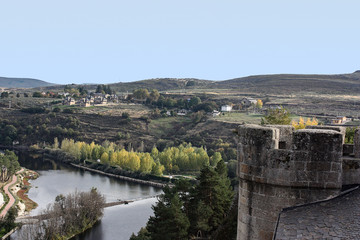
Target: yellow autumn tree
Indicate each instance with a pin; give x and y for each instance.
(302, 124)
(259, 104)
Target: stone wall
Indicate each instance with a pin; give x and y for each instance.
(308, 169)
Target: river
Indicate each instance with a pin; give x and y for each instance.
(118, 223)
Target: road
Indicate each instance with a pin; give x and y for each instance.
(7, 192)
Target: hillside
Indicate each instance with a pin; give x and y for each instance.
(276, 84)
(269, 84)
(22, 83)
(162, 84)
(289, 83)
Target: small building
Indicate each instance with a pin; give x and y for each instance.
(339, 120)
(248, 102)
(69, 101)
(226, 108)
(182, 112)
(215, 113)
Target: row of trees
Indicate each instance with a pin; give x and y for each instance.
(185, 211)
(156, 99)
(172, 159)
(9, 165)
(302, 124)
(69, 215)
(104, 89)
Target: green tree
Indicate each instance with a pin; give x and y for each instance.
(214, 159)
(277, 116)
(154, 95)
(211, 201)
(169, 221)
(146, 163)
(141, 94)
(4, 95)
(194, 101)
(37, 95)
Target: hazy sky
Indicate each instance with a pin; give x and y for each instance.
(88, 41)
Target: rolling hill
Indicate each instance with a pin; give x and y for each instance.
(278, 83)
(286, 83)
(22, 83)
(263, 84)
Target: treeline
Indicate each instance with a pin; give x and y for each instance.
(172, 159)
(189, 212)
(154, 98)
(68, 216)
(9, 164)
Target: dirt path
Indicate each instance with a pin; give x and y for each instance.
(7, 192)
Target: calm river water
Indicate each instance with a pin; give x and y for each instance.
(118, 221)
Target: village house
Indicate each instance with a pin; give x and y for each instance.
(86, 102)
(69, 101)
(226, 108)
(248, 102)
(182, 112)
(339, 120)
(215, 113)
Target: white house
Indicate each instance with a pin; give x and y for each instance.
(226, 108)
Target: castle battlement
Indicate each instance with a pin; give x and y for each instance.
(280, 167)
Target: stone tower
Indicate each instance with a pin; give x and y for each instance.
(280, 167)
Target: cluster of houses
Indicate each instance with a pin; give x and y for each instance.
(91, 100)
(245, 103)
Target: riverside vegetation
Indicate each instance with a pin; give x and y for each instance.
(68, 216)
(187, 211)
(171, 160)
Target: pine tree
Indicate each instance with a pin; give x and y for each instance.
(169, 221)
(211, 201)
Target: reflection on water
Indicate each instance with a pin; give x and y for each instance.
(118, 222)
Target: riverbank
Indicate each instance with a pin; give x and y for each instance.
(150, 183)
(16, 191)
(105, 169)
(64, 157)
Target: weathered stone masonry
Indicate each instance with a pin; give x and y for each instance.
(280, 167)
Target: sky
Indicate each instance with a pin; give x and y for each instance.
(108, 41)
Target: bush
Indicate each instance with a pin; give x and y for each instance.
(125, 115)
(34, 110)
(68, 110)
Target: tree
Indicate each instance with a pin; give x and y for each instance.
(37, 95)
(4, 95)
(146, 163)
(142, 94)
(169, 221)
(56, 143)
(215, 158)
(259, 104)
(302, 124)
(278, 116)
(154, 95)
(194, 101)
(68, 215)
(211, 201)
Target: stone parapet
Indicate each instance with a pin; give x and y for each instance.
(309, 169)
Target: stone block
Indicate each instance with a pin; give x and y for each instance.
(341, 130)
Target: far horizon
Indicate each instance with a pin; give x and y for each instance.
(95, 83)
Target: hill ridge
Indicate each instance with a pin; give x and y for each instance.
(12, 82)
